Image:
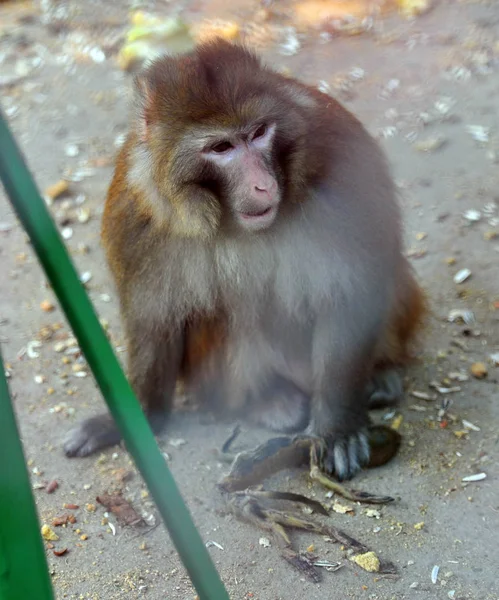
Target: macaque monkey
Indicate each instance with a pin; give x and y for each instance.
(253, 231)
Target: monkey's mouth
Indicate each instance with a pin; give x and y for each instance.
(257, 219)
(257, 214)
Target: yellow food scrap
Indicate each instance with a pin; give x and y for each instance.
(48, 534)
(397, 422)
(207, 30)
(151, 36)
(342, 509)
(367, 561)
(57, 189)
(315, 12)
(419, 526)
(479, 370)
(413, 8)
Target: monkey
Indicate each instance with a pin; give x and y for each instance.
(254, 234)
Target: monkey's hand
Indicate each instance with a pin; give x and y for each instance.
(344, 456)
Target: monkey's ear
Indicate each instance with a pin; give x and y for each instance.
(144, 104)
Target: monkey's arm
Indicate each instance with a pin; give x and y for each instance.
(155, 354)
(343, 355)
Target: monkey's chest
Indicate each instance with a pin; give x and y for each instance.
(247, 347)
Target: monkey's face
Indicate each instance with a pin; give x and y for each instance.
(242, 161)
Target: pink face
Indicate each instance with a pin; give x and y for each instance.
(244, 160)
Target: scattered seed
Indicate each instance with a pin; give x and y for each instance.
(434, 574)
(210, 543)
(472, 215)
(421, 395)
(83, 215)
(458, 376)
(495, 358)
(70, 506)
(52, 486)
(71, 150)
(67, 233)
(478, 132)
(265, 542)
(85, 277)
(476, 477)
(177, 442)
(60, 552)
(64, 520)
(469, 425)
(479, 370)
(462, 275)
(431, 144)
(57, 189)
(458, 314)
(30, 349)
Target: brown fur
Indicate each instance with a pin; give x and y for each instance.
(294, 318)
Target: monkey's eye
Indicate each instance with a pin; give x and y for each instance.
(260, 132)
(222, 147)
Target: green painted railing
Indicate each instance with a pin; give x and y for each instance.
(116, 391)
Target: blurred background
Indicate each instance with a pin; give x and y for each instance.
(423, 75)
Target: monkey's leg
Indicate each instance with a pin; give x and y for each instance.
(154, 361)
(385, 388)
(281, 406)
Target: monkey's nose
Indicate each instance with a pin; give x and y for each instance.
(264, 188)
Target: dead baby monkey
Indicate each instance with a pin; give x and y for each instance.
(254, 235)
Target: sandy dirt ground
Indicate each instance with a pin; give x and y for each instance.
(428, 89)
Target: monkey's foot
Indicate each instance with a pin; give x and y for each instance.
(250, 506)
(91, 435)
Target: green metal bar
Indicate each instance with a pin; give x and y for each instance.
(115, 388)
(23, 566)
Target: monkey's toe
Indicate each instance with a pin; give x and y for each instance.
(344, 457)
(91, 435)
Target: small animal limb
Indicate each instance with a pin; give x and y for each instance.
(250, 506)
(252, 503)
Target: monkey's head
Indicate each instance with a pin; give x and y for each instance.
(221, 139)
